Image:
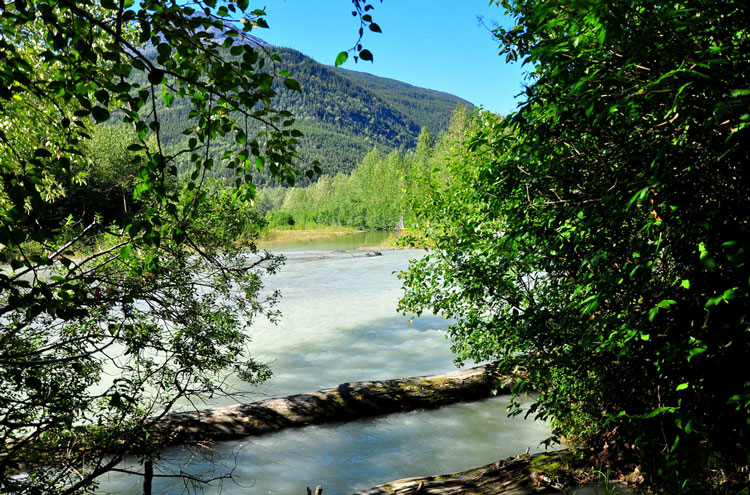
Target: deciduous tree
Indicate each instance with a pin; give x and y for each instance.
(596, 240)
(98, 343)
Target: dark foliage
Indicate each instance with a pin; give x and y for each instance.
(597, 239)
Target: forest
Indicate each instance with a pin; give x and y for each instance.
(379, 194)
(592, 243)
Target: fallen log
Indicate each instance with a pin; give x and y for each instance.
(554, 472)
(346, 402)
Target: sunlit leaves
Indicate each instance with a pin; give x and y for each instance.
(341, 58)
(90, 199)
(167, 97)
(616, 188)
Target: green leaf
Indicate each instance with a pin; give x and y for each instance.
(705, 257)
(156, 76)
(292, 83)
(167, 97)
(659, 411)
(695, 351)
(664, 304)
(164, 49)
(341, 58)
(726, 296)
(145, 32)
(100, 114)
(366, 55)
(682, 386)
(102, 96)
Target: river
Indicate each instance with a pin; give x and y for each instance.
(340, 324)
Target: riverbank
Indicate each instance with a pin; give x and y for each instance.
(273, 237)
(554, 472)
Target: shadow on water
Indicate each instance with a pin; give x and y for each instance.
(346, 457)
(377, 349)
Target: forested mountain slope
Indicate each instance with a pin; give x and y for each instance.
(426, 107)
(343, 114)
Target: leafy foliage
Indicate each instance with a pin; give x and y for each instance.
(109, 317)
(596, 240)
(361, 11)
(374, 195)
(370, 198)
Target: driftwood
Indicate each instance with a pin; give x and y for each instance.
(346, 402)
(521, 475)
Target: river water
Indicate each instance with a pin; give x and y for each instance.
(340, 324)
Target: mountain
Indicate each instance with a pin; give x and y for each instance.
(342, 113)
(426, 107)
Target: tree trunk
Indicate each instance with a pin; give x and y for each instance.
(346, 402)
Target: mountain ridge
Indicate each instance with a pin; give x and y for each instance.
(342, 113)
(377, 111)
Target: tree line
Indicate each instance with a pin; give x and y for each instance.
(378, 194)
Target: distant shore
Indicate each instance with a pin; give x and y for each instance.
(275, 236)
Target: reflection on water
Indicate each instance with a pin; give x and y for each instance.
(340, 324)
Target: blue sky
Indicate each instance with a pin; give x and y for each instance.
(436, 44)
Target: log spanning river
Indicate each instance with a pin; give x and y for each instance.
(340, 324)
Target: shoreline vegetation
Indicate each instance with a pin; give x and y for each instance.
(382, 192)
(278, 236)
